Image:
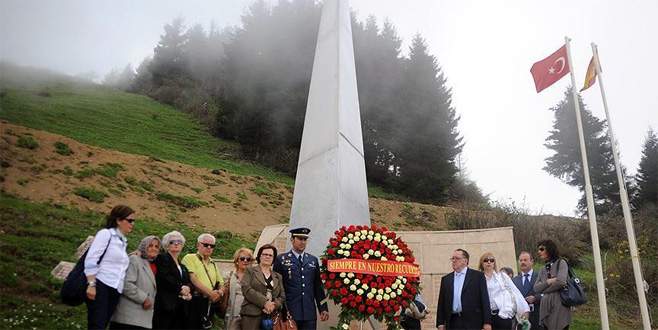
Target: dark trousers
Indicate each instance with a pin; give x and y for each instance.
(122, 326)
(198, 309)
(306, 325)
(461, 322)
(500, 323)
(100, 310)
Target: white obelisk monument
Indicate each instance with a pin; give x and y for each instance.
(330, 186)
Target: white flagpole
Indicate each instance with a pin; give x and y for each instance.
(635, 258)
(591, 214)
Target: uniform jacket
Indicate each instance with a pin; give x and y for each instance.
(475, 300)
(304, 290)
(254, 290)
(139, 285)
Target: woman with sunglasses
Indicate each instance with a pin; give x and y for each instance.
(505, 299)
(552, 278)
(262, 289)
(105, 266)
(206, 279)
(242, 258)
(173, 282)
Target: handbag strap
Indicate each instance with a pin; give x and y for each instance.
(207, 273)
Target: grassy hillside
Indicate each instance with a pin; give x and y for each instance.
(122, 121)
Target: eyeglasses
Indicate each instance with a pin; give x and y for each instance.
(489, 260)
(208, 246)
(266, 255)
(176, 241)
(246, 258)
(130, 221)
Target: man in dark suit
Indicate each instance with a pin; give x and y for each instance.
(525, 282)
(301, 279)
(463, 297)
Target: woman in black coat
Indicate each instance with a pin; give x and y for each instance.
(173, 282)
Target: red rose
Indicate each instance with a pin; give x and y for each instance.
(343, 291)
(334, 243)
(337, 284)
(369, 302)
(343, 301)
(331, 252)
(376, 303)
(371, 310)
(328, 284)
(362, 308)
(358, 299)
(323, 276)
(353, 304)
(334, 293)
(332, 275)
(388, 309)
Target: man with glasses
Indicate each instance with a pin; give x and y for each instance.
(463, 297)
(207, 281)
(301, 280)
(525, 282)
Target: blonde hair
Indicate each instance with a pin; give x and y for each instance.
(485, 256)
(237, 253)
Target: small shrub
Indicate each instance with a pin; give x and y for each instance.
(27, 142)
(241, 195)
(109, 170)
(22, 182)
(261, 190)
(197, 190)
(63, 149)
(67, 171)
(221, 198)
(90, 194)
(84, 173)
(186, 202)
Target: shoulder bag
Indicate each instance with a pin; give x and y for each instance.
(74, 289)
(573, 293)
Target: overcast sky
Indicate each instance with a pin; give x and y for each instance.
(485, 48)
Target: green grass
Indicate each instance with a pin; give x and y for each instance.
(63, 149)
(91, 194)
(186, 202)
(27, 142)
(30, 249)
(122, 121)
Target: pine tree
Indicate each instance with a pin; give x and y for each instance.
(647, 173)
(566, 162)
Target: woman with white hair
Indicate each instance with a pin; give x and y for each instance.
(135, 309)
(173, 281)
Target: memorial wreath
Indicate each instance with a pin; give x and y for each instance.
(369, 271)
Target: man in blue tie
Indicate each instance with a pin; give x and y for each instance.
(525, 282)
(463, 297)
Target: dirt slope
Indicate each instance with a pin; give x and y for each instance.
(93, 178)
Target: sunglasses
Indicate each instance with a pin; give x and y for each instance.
(489, 260)
(176, 241)
(208, 246)
(541, 248)
(130, 221)
(245, 258)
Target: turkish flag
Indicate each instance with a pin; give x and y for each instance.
(549, 70)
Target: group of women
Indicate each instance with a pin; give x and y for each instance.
(153, 287)
(508, 305)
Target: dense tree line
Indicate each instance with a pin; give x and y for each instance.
(251, 84)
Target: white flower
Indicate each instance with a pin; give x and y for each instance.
(377, 253)
(350, 235)
(350, 241)
(364, 232)
(394, 286)
(340, 252)
(366, 256)
(384, 238)
(394, 252)
(365, 286)
(370, 295)
(344, 239)
(345, 326)
(398, 281)
(390, 241)
(371, 232)
(383, 259)
(404, 280)
(388, 290)
(346, 281)
(357, 281)
(371, 252)
(387, 297)
(380, 291)
(393, 295)
(377, 238)
(352, 287)
(385, 242)
(399, 292)
(342, 245)
(342, 274)
(348, 246)
(373, 290)
(357, 238)
(369, 237)
(379, 297)
(350, 275)
(359, 292)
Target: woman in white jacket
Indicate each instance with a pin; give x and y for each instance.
(506, 300)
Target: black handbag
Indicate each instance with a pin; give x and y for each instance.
(573, 293)
(74, 289)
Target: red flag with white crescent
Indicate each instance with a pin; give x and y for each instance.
(549, 70)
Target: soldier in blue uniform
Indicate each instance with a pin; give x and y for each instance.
(301, 280)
